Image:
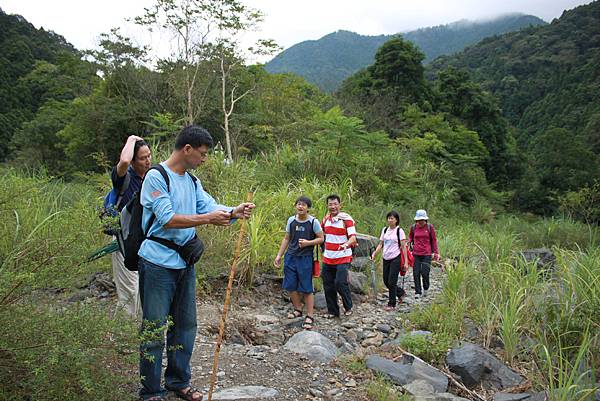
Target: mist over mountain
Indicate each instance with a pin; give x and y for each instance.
(327, 61)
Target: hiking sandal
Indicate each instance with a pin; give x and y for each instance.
(189, 394)
(308, 322)
(295, 314)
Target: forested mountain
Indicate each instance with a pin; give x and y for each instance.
(35, 66)
(547, 79)
(328, 61)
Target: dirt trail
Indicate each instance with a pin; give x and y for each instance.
(258, 327)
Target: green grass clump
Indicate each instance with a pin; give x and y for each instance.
(381, 389)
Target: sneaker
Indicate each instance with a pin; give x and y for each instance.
(425, 293)
(417, 296)
(388, 308)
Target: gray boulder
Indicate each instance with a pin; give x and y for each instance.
(544, 258)
(365, 244)
(270, 335)
(313, 345)
(477, 366)
(541, 396)
(511, 397)
(419, 388)
(245, 393)
(358, 282)
(320, 302)
(423, 391)
(408, 370)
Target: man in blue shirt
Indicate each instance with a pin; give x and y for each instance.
(134, 162)
(167, 283)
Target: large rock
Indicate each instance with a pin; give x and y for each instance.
(441, 397)
(313, 345)
(408, 370)
(477, 366)
(419, 388)
(358, 282)
(269, 334)
(544, 258)
(245, 393)
(320, 302)
(366, 245)
(511, 397)
(541, 396)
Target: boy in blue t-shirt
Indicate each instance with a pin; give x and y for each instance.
(302, 233)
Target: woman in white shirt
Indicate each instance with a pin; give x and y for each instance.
(393, 242)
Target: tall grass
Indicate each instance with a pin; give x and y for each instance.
(51, 349)
(49, 227)
(569, 375)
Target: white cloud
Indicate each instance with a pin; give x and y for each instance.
(288, 22)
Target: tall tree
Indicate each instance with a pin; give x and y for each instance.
(193, 24)
(457, 95)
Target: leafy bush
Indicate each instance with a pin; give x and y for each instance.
(50, 349)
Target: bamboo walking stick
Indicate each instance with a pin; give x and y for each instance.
(236, 256)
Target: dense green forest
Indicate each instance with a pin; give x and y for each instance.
(326, 62)
(548, 86)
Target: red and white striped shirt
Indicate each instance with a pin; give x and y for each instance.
(338, 230)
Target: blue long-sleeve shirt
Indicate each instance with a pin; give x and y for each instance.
(185, 197)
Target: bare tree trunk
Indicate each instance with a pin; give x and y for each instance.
(225, 113)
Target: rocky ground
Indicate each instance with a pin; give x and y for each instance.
(258, 328)
(267, 356)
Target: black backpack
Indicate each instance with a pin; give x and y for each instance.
(132, 234)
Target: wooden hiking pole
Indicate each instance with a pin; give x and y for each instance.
(236, 256)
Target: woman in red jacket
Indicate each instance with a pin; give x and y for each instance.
(422, 236)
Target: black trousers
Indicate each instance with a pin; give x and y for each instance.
(391, 270)
(335, 281)
(421, 270)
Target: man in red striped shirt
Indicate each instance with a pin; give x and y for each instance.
(340, 236)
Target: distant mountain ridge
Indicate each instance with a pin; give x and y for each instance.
(329, 60)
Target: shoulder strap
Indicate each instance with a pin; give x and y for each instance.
(193, 179)
(398, 235)
(125, 183)
(312, 221)
(430, 236)
(163, 241)
(123, 188)
(164, 174)
(316, 248)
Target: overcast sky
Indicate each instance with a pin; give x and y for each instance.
(287, 22)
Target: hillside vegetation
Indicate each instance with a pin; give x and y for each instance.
(547, 82)
(326, 62)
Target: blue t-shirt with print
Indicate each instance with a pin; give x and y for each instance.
(185, 197)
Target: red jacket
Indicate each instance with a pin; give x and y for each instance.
(423, 239)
